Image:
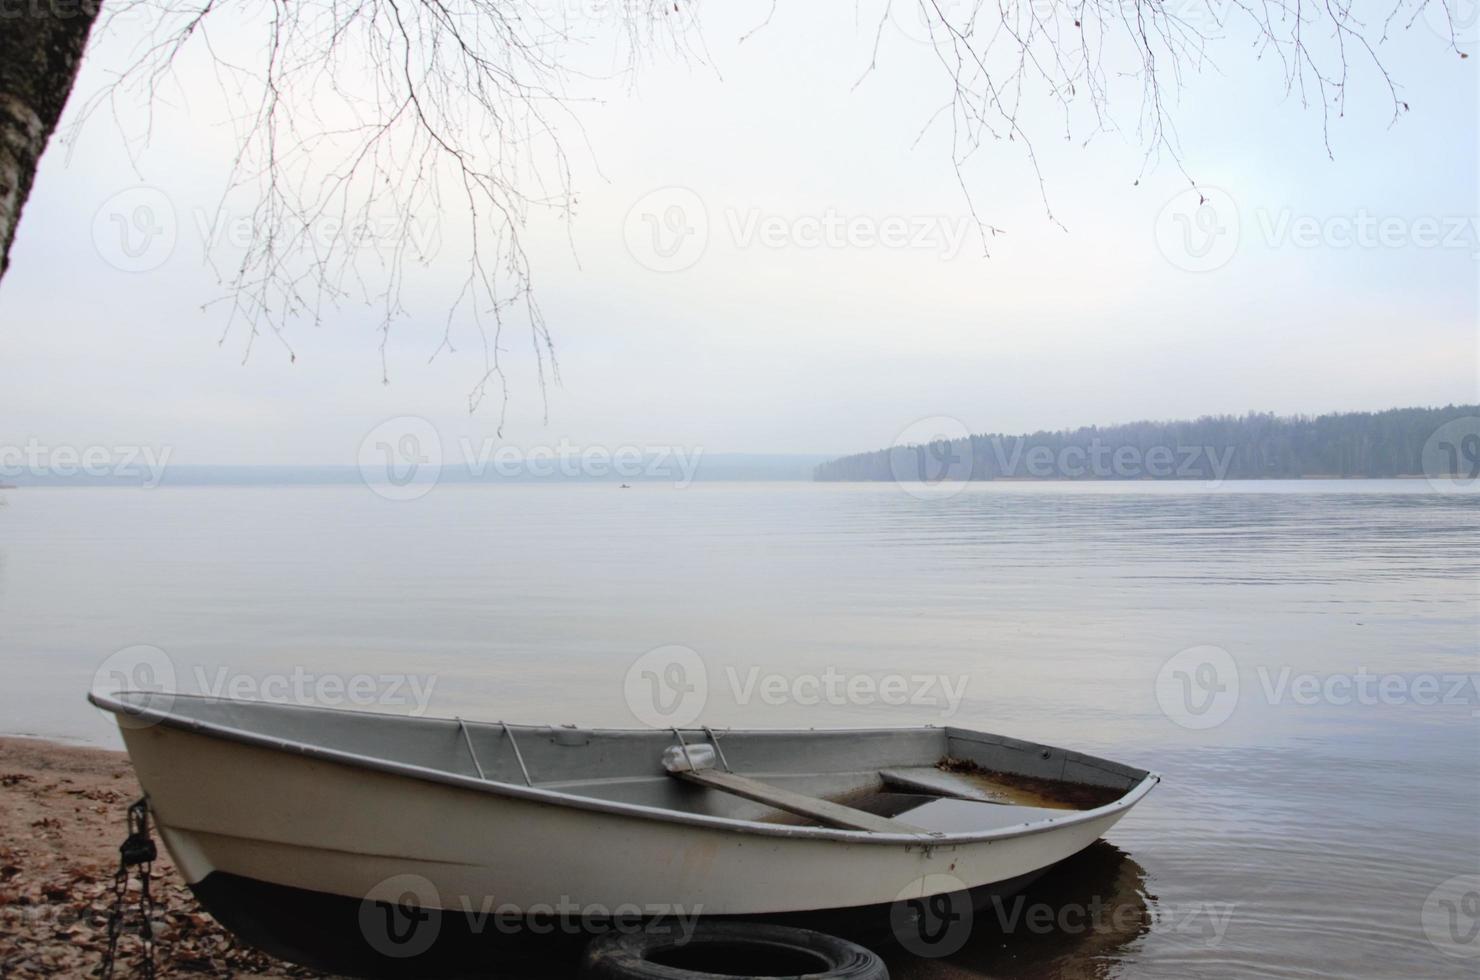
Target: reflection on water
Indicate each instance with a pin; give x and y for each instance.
(1326, 825)
(1074, 923)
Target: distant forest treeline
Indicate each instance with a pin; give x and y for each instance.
(1398, 442)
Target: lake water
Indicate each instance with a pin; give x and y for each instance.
(1320, 748)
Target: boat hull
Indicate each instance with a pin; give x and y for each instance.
(328, 827)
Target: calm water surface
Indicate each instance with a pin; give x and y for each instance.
(1300, 837)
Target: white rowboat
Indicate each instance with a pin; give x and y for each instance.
(325, 836)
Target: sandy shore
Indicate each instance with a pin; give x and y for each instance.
(62, 811)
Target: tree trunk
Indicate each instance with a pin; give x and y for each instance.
(41, 46)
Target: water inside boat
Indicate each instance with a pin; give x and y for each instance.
(956, 798)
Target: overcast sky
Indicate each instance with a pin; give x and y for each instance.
(736, 338)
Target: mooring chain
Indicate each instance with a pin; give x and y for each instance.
(137, 851)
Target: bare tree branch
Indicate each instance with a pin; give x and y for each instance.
(390, 121)
(363, 122)
(994, 54)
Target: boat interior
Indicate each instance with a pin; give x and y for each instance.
(906, 780)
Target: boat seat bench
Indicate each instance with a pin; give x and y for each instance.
(825, 812)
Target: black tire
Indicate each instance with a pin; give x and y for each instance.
(738, 951)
